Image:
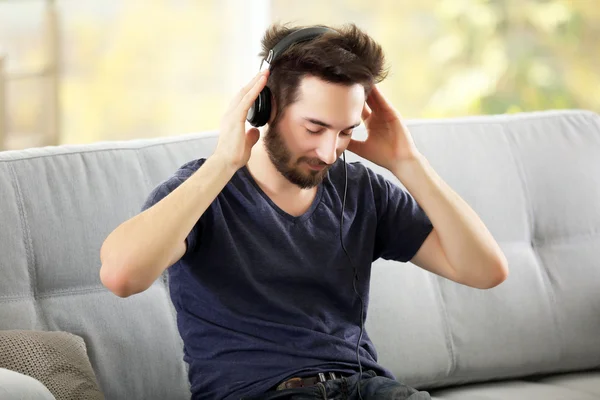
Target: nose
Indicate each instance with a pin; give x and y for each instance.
(327, 150)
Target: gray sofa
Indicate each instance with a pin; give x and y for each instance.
(533, 178)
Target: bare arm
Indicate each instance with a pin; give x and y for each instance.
(137, 252)
(141, 248)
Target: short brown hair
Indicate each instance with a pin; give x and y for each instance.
(348, 57)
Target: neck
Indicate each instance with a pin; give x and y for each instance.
(268, 177)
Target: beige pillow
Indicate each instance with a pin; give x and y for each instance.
(57, 359)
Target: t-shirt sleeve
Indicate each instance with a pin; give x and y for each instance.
(402, 225)
(163, 189)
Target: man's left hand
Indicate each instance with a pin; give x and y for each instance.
(388, 142)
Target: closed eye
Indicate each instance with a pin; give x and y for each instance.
(346, 133)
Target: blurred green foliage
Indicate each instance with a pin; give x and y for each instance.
(140, 69)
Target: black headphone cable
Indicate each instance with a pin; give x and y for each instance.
(355, 277)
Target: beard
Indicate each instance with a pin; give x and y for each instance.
(281, 156)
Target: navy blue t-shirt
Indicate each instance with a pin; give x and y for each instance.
(262, 295)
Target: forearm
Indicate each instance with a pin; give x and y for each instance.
(468, 245)
(141, 248)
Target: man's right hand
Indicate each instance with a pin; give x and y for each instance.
(235, 142)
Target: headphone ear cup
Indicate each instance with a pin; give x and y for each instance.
(260, 112)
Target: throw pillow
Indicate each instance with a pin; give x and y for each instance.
(57, 359)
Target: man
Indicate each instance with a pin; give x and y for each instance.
(264, 286)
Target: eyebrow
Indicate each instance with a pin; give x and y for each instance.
(326, 125)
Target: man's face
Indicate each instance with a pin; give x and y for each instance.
(314, 130)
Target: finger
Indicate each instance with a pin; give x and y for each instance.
(252, 82)
(371, 102)
(251, 95)
(242, 92)
(252, 136)
(356, 146)
(366, 112)
(378, 100)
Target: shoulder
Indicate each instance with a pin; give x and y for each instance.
(368, 185)
(183, 172)
(188, 169)
(163, 188)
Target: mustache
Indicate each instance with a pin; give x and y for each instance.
(312, 161)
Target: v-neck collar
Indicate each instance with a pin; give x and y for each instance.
(291, 218)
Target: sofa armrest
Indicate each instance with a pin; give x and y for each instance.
(14, 385)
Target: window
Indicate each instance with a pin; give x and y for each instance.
(135, 69)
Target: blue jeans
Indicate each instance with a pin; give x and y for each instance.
(371, 387)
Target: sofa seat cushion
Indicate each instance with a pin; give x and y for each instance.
(588, 382)
(515, 390)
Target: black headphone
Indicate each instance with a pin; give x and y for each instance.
(260, 112)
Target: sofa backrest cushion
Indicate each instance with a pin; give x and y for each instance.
(533, 178)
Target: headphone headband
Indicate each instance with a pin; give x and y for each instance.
(259, 112)
(298, 36)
